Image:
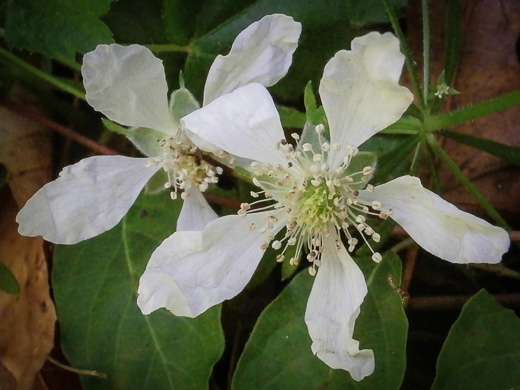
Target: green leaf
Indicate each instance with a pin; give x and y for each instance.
(482, 350)
(278, 355)
(56, 28)
(102, 329)
(182, 103)
(179, 19)
(453, 39)
(8, 282)
(393, 162)
(507, 153)
(291, 118)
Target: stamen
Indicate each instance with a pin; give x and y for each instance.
(318, 201)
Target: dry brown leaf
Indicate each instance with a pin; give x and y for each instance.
(7, 379)
(27, 325)
(25, 149)
(488, 67)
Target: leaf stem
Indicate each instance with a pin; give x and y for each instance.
(470, 187)
(42, 75)
(80, 139)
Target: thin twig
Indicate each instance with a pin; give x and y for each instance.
(499, 270)
(221, 201)
(451, 302)
(514, 235)
(408, 267)
(77, 370)
(80, 139)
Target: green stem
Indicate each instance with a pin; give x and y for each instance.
(407, 53)
(169, 47)
(434, 171)
(500, 103)
(40, 74)
(71, 64)
(479, 197)
(499, 270)
(414, 166)
(426, 49)
(406, 243)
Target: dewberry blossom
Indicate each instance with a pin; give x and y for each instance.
(314, 196)
(128, 85)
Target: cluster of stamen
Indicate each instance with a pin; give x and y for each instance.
(318, 200)
(182, 161)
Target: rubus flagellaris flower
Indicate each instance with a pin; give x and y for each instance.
(128, 85)
(313, 194)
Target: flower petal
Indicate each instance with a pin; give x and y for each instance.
(360, 91)
(332, 309)
(244, 123)
(437, 225)
(262, 53)
(194, 270)
(196, 213)
(87, 199)
(128, 85)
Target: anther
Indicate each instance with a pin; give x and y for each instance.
(307, 147)
(377, 257)
(320, 128)
(376, 205)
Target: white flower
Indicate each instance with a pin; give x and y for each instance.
(314, 193)
(128, 85)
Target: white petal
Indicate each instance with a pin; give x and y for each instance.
(360, 91)
(194, 270)
(437, 225)
(332, 309)
(244, 123)
(88, 198)
(128, 85)
(262, 53)
(196, 213)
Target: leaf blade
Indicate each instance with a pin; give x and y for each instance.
(482, 350)
(95, 285)
(280, 343)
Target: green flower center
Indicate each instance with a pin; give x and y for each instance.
(316, 209)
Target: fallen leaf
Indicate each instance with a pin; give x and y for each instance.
(25, 149)
(7, 379)
(488, 67)
(28, 318)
